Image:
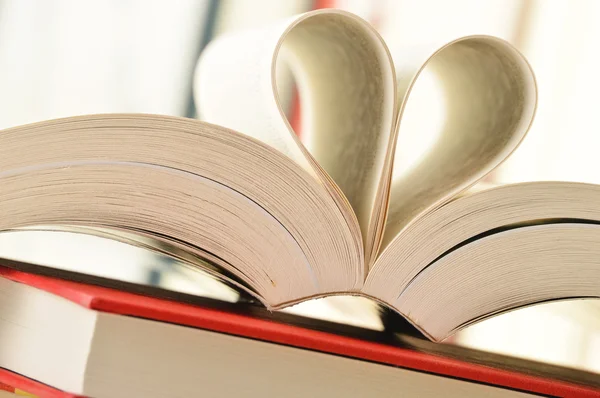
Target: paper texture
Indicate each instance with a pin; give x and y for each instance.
(354, 104)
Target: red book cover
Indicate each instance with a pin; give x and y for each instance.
(125, 303)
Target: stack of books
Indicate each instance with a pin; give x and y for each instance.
(62, 338)
(284, 219)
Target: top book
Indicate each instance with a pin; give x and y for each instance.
(289, 219)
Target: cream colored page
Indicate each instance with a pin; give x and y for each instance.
(233, 88)
(346, 83)
(488, 96)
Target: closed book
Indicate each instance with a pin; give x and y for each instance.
(90, 340)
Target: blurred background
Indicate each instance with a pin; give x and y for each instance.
(67, 57)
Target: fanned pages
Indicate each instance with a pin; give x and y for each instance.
(228, 198)
(288, 219)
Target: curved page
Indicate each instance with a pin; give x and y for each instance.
(522, 266)
(472, 216)
(219, 194)
(344, 75)
(489, 94)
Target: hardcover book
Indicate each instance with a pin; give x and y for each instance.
(66, 339)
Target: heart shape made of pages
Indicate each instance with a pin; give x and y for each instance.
(356, 103)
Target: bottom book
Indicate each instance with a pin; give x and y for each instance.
(61, 338)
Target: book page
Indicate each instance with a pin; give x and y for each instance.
(234, 88)
(489, 95)
(345, 79)
(207, 190)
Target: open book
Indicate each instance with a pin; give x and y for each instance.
(289, 219)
